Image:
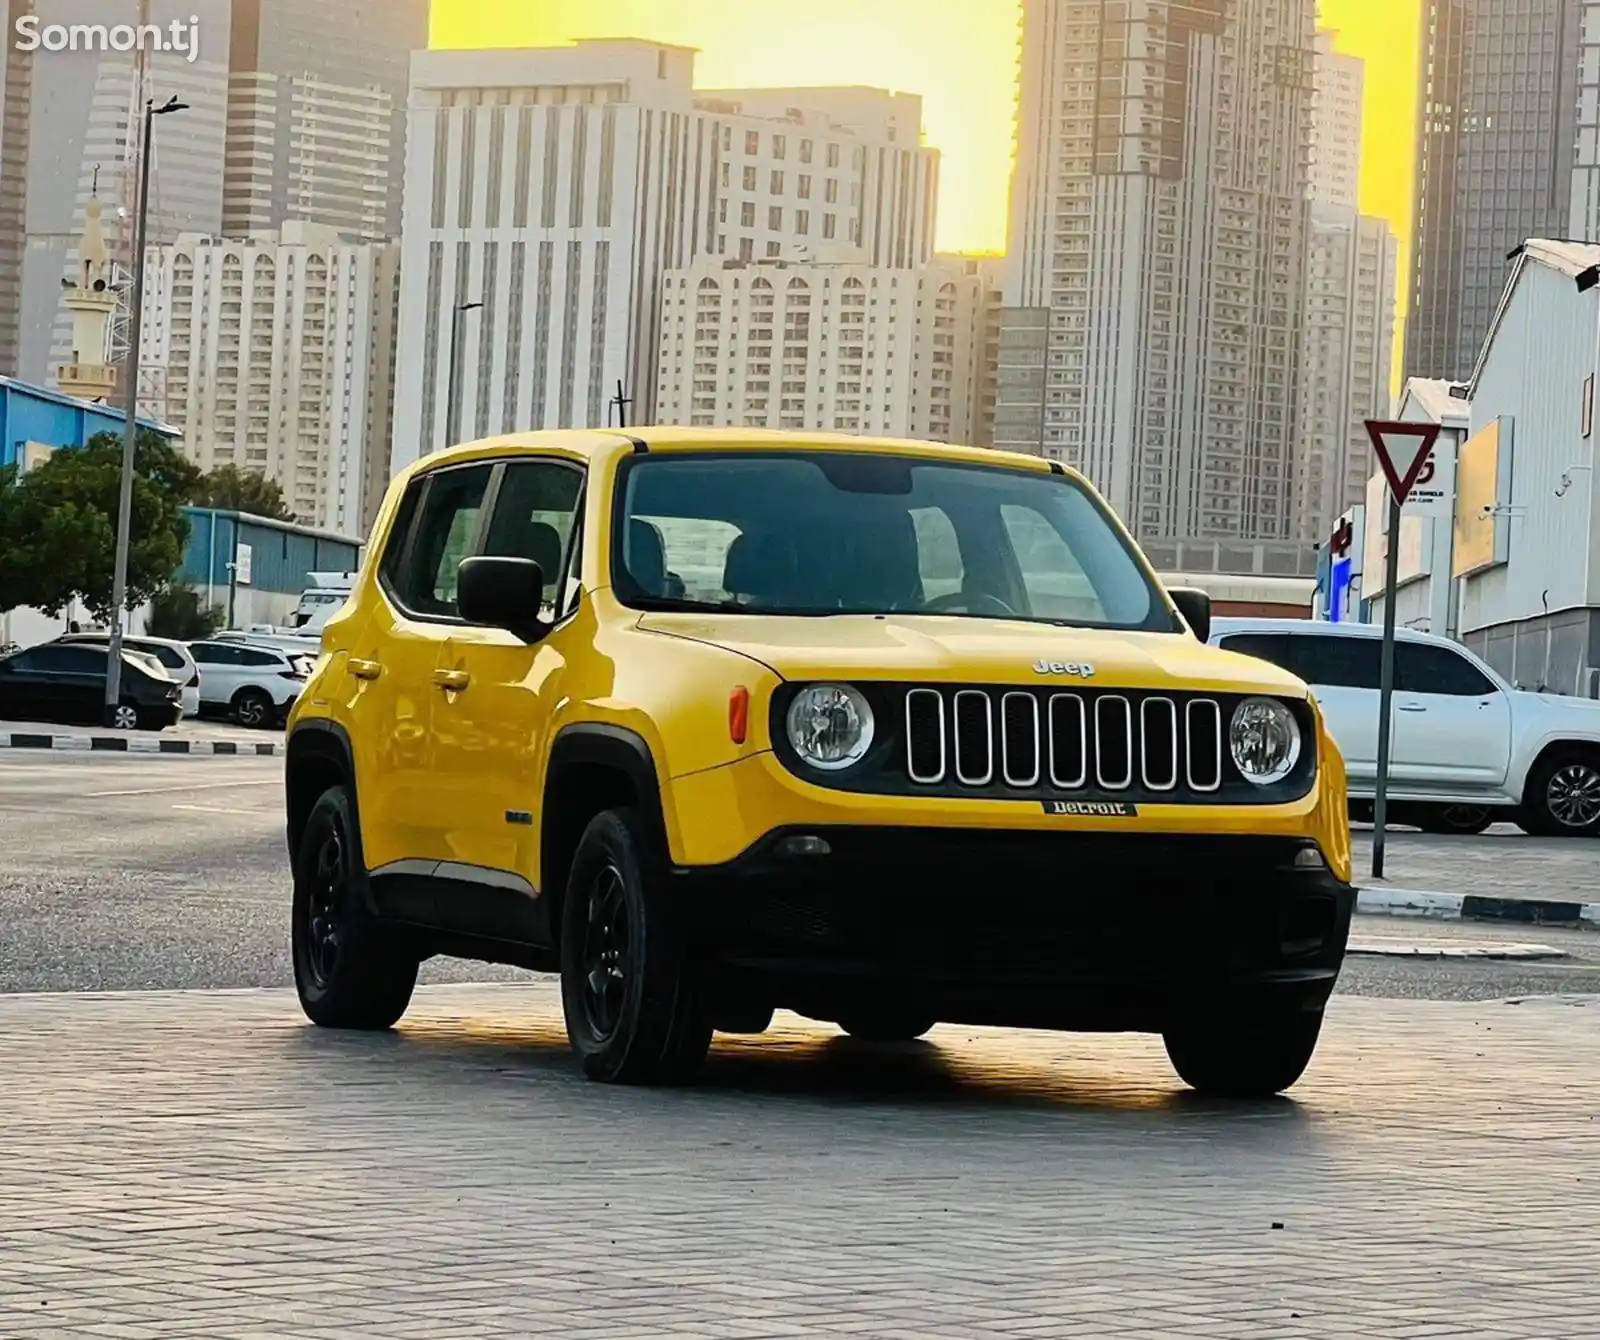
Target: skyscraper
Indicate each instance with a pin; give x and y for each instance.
(317, 111)
(296, 113)
(1347, 334)
(1497, 136)
(549, 189)
(1157, 254)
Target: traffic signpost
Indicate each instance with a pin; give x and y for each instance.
(1403, 451)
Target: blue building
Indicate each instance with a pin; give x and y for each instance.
(33, 416)
(252, 568)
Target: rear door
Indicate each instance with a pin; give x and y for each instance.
(1452, 723)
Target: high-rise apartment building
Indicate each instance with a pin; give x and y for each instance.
(279, 358)
(1157, 249)
(1347, 334)
(1334, 163)
(555, 186)
(16, 97)
(317, 112)
(833, 343)
(296, 111)
(1499, 160)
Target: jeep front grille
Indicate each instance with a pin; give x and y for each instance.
(977, 739)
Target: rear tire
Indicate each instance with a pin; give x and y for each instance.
(886, 1024)
(350, 970)
(254, 709)
(1244, 1054)
(1456, 820)
(1562, 795)
(634, 1008)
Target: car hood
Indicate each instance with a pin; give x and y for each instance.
(962, 649)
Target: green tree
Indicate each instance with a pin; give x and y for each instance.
(177, 613)
(58, 525)
(243, 491)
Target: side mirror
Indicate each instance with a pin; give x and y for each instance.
(503, 593)
(1195, 606)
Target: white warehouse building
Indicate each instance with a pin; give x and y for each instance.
(1523, 546)
(549, 189)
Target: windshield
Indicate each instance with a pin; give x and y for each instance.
(834, 533)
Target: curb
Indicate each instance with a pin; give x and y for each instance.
(1476, 907)
(138, 744)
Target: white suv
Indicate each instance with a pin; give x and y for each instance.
(1467, 749)
(253, 684)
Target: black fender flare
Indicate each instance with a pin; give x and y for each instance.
(329, 742)
(612, 747)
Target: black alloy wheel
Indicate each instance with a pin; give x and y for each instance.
(606, 953)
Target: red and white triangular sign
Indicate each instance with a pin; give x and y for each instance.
(1403, 450)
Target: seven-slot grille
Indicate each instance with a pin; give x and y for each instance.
(1016, 739)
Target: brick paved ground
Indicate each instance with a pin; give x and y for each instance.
(204, 1165)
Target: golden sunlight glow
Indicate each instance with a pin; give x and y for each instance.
(960, 55)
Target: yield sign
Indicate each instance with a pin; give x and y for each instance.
(1403, 450)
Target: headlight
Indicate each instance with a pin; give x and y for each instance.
(830, 726)
(1264, 740)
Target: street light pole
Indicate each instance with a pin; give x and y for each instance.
(130, 425)
(452, 429)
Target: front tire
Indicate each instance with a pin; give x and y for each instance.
(1562, 795)
(349, 970)
(125, 716)
(1244, 1055)
(634, 1009)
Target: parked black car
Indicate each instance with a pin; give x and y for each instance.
(63, 683)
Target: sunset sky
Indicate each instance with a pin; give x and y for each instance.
(960, 55)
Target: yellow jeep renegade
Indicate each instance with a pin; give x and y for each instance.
(887, 733)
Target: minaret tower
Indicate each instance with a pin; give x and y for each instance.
(92, 303)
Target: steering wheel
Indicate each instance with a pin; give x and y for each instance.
(976, 602)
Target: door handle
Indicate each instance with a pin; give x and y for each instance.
(365, 669)
(1412, 707)
(452, 681)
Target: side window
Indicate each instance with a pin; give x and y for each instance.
(217, 654)
(170, 657)
(248, 657)
(1056, 584)
(1341, 662)
(1269, 647)
(395, 548)
(1332, 662)
(446, 522)
(938, 553)
(535, 514)
(67, 660)
(1419, 668)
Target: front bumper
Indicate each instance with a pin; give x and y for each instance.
(1075, 930)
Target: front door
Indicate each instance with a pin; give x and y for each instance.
(497, 694)
(1452, 723)
(392, 662)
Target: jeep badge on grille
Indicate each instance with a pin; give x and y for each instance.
(1080, 670)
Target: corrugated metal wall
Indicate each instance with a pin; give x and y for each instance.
(280, 558)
